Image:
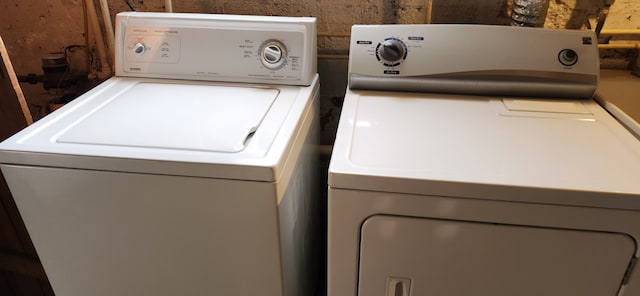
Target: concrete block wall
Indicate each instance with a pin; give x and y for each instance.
(31, 29)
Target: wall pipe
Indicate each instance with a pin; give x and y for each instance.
(105, 67)
(602, 16)
(106, 16)
(620, 32)
(428, 11)
(168, 5)
(529, 13)
(619, 46)
(86, 39)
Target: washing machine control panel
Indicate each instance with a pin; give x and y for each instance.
(142, 49)
(466, 58)
(277, 50)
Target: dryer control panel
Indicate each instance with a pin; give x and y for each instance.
(474, 59)
(278, 50)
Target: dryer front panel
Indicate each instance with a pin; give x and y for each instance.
(422, 256)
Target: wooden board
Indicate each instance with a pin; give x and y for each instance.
(21, 273)
(14, 112)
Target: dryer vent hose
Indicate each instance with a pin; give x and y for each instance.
(529, 13)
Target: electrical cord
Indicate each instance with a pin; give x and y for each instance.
(130, 5)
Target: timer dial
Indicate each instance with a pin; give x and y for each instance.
(392, 50)
(139, 48)
(273, 54)
(568, 57)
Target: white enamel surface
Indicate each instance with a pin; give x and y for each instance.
(111, 233)
(175, 116)
(491, 259)
(348, 209)
(70, 137)
(455, 139)
(546, 106)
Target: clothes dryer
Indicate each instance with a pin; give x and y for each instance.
(471, 160)
(619, 93)
(191, 172)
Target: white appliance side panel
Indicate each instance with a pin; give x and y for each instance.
(619, 93)
(104, 234)
(419, 256)
(175, 116)
(299, 213)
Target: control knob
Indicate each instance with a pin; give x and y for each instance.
(273, 54)
(568, 57)
(139, 48)
(391, 50)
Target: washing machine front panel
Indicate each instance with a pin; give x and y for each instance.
(420, 256)
(110, 233)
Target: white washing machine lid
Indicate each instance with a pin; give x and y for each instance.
(175, 116)
(544, 151)
(223, 130)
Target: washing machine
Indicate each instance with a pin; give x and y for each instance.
(190, 172)
(472, 160)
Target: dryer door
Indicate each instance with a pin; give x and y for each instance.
(419, 256)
